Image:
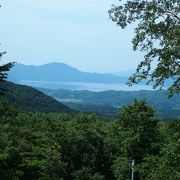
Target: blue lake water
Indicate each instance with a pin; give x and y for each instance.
(85, 86)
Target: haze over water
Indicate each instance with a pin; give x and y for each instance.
(86, 86)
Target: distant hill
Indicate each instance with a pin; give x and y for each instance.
(110, 102)
(60, 72)
(31, 99)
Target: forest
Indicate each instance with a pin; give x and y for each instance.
(78, 146)
(30, 99)
(108, 103)
(43, 139)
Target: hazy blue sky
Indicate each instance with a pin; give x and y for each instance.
(76, 32)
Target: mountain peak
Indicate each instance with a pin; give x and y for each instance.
(60, 72)
(55, 64)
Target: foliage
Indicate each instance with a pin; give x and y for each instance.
(138, 119)
(108, 103)
(140, 137)
(121, 168)
(158, 34)
(30, 99)
(78, 146)
(3, 71)
(166, 165)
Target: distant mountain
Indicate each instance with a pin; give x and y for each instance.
(108, 103)
(30, 99)
(59, 72)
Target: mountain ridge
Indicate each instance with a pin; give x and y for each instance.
(31, 99)
(110, 102)
(60, 72)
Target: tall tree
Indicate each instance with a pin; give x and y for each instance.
(158, 34)
(139, 136)
(139, 120)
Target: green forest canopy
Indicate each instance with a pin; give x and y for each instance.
(64, 146)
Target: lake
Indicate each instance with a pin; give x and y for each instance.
(85, 86)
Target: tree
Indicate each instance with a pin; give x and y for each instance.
(141, 136)
(4, 68)
(166, 165)
(158, 34)
(138, 120)
(3, 71)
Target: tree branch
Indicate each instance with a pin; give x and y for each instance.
(172, 14)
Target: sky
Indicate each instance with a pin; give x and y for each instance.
(76, 32)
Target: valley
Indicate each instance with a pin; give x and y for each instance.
(109, 103)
